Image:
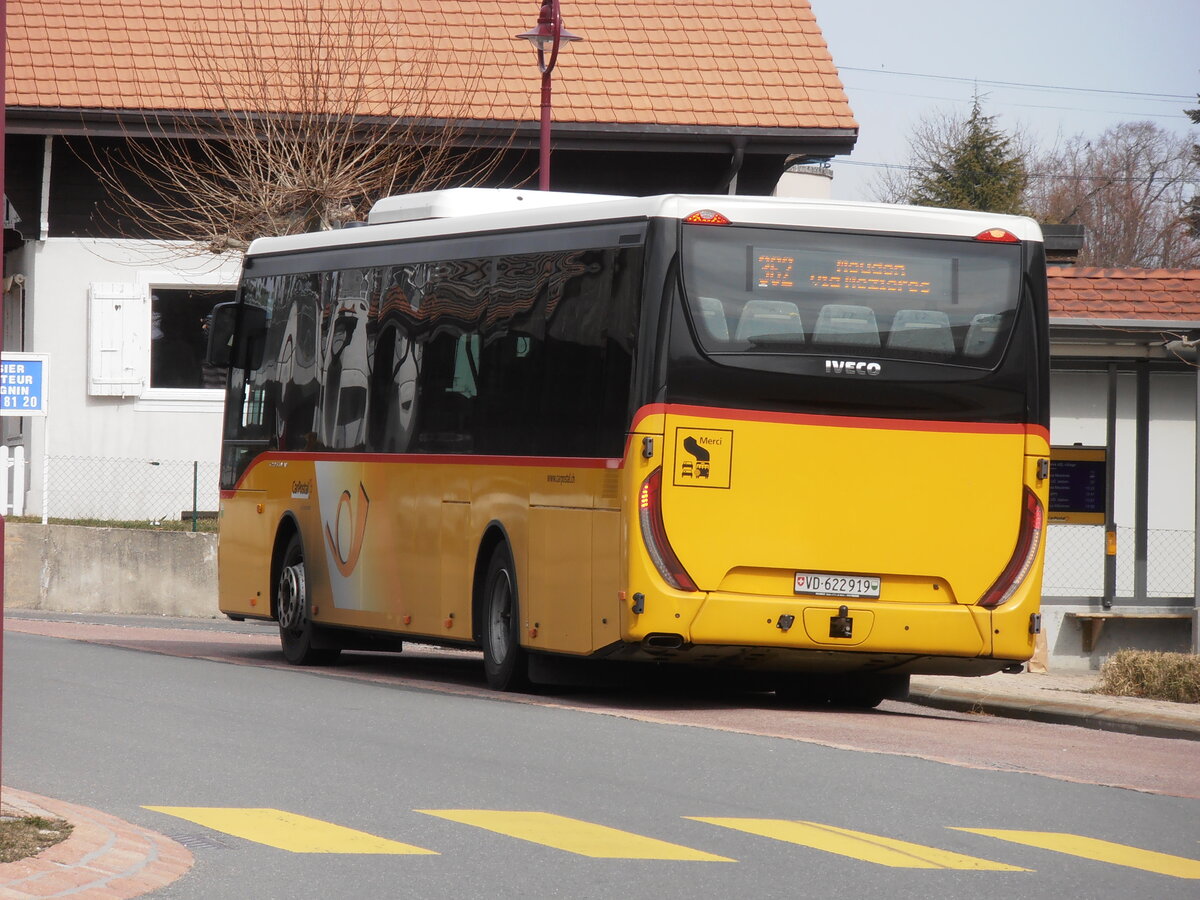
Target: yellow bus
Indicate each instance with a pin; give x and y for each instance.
(806, 440)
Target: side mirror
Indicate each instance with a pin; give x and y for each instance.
(237, 336)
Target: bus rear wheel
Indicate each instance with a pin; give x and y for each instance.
(293, 609)
(505, 663)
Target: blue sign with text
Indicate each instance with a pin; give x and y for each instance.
(22, 385)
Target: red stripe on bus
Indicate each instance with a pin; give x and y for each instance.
(754, 415)
(454, 459)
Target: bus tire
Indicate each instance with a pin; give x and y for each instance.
(505, 662)
(293, 609)
(868, 691)
(846, 691)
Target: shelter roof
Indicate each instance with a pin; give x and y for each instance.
(1124, 295)
(748, 64)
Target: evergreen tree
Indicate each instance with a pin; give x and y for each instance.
(982, 170)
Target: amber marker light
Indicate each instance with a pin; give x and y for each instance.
(997, 236)
(706, 217)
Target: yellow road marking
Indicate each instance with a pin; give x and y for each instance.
(1104, 851)
(572, 835)
(288, 831)
(859, 845)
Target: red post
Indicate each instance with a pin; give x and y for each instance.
(549, 31)
(3, 212)
(544, 136)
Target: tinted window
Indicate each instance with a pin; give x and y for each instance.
(523, 354)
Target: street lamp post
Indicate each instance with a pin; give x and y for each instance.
(549, 33)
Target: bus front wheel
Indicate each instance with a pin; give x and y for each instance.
(505, 662)
(293, 609)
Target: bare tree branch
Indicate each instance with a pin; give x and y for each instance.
(301, 116)
(1130, 188)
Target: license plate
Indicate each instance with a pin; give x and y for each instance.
(833, 585)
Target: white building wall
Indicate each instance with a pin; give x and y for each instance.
(101, 451)
(809, 182)
(1074, 575)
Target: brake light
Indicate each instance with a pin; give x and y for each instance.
(706, 217)
(1033, 521)
(998, 236)
(654, 534)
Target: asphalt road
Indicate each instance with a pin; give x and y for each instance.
(458, 793)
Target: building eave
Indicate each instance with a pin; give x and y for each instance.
(818, 143)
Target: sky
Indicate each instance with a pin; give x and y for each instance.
(1087, 65)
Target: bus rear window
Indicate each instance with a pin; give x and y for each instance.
(764, 290)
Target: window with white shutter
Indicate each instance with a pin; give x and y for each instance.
(118, 335)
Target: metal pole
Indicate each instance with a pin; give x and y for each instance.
(1110, 487)
(1196, 526)
(547, 68)
(45, 470)
(544, 135)
(195, 490)
(1141, 500)
(4, 200)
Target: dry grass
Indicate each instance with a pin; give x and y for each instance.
(29, 836)
(202, 524)
(1150, 674)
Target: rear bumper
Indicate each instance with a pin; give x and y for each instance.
(784, 659)
(812, 634)
(817, 623)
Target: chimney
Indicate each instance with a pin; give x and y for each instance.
(1063, 243)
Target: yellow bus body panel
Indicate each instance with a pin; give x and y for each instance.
(392, 544)
(933, 511)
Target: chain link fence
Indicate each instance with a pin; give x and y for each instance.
(113, 489)
(1075, 562)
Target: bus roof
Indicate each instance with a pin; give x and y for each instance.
(458, 211)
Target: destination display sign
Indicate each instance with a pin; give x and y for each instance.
(1078, 485)
(846, 275)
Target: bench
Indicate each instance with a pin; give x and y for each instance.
(1091, 624)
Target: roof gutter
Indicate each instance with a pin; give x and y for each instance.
(728, 182)
(133, 123)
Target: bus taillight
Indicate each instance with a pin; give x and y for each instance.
(998, 236)
(1033, 522)
(706, 217)
(654, 535)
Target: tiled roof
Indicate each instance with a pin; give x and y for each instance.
(707, 63)
(1125, 294)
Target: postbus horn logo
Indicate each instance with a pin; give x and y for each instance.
(346, 561)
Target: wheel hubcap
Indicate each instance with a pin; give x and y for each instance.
(500, 614)
(291, 596)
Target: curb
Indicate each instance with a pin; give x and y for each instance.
(105, 858)
(1057, 712)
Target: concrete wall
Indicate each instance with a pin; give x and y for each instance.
(68, 568)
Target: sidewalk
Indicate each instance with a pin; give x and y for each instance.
(105, 858)
(1060, 698)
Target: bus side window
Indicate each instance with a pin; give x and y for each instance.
(445, 398)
